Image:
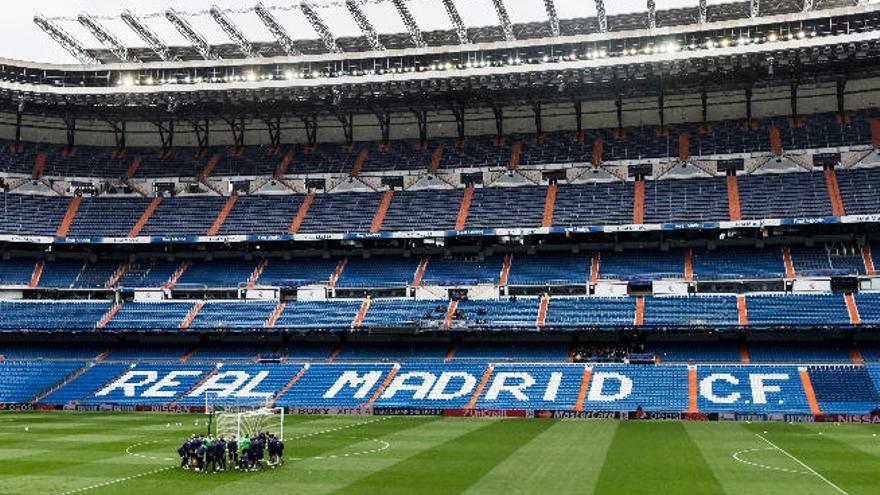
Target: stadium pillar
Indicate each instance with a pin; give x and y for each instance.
(18, 115)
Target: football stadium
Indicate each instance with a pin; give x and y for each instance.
(440, 246)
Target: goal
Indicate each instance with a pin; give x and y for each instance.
(235, 418)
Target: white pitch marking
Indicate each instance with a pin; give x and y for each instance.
(736, 456)
(120, 480)
(808, 468)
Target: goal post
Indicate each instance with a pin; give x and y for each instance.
(241, 418)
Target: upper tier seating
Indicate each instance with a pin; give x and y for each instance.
(378, 272)
(698, 311)
(738, 263)
(797, 310)
(550, 268)
(686, 200)
(641, 264)
(51, 315)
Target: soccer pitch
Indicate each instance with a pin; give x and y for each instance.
(111, 453)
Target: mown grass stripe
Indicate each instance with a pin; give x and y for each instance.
(455, 465)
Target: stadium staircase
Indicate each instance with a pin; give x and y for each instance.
(692, 389)
(197, 307)
(270, 323)
(38, 272)
(224, 213)
(209, 167)
(744, 357)
(301, 213)
(582, 389)
(598, 144)
(515, 152)
(39, 165)
(733, 198)
(464, 208)
(480, 386)
(145, 217)
(362, 312)
(281, 170)
(868, 260)
(288, 385)
(639, 319)
(638, 202)
(549, 205)
(542, 311)
(450, 354)
(808, 391)
(133, 167)
(594, 267)
(111, 282)
(108, 316)
(359, 162)
(381, 211)
(177, 274)
(852, 309)
(684, 146)
(420, 272)
(436, 158)
(834, 193)
(340, 267)
(789, 265)
(72, 208)
(258, 271)
(775, 141)
(505, 269)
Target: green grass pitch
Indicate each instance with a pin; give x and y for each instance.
(134, 453)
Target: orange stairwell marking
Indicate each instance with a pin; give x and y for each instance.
(868, 260)
(383, 386)
(39, 165)
(582, 391)
(549, 206)
(337, 273)
(639, 202)
(833, 187)
(221, 217)
(186, 357)
(733, 206)
(123, 267)
(515, 151)
(281, 169)
(108, 316)
(258, 271)
(35, 277)
(789, 265)
(177, 274)
(852, 309)
(808, 391)
(689, 265)
(505, 269)
(450, 355)
(692, 389)
(775, 141)
(145, 217)
(334, 353)
(68, 216)
(461, 219)
(542, 311)
(273, 318)
(379, 217)
(133, 167)
(598, 145)
(420, 272)
(640, 312)
(289, 384)
(209, 167)
(744, 357)
(742, 311)
(358, 163)
(192, 315)
(571, 352)
(450, 312)
(480, 386)
(684, 150)
(875, 133)
(855, 355)
(301, 213)
(362, 312)
(594, 268)
(434, 166)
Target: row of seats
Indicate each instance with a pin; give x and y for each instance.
(613, 387)
(551, 352)
(771, 196)
(638, 143)
(770, 311)
(540, 269)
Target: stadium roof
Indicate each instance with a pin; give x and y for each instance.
(321, 27)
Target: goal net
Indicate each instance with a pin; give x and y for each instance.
(243, 419)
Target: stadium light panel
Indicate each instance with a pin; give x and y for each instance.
(276, 29)
(154, 42)
(319, 26)
(364, 24)
(406, 16)
(186, 30)
(652, 14)
(235, 34)
(552, 18)
(108, 39)
(455, 18)
(65, 39)
(504, 20)
(601, 16)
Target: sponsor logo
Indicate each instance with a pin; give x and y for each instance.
(696, 417)
(589, 415)
(343, 411)
(852, 418)
(16, 407)
(406, 411)
(666, 416)
(487, 413)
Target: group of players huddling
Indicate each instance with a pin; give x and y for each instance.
(213, 455)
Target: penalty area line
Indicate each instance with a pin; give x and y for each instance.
(808, 468)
